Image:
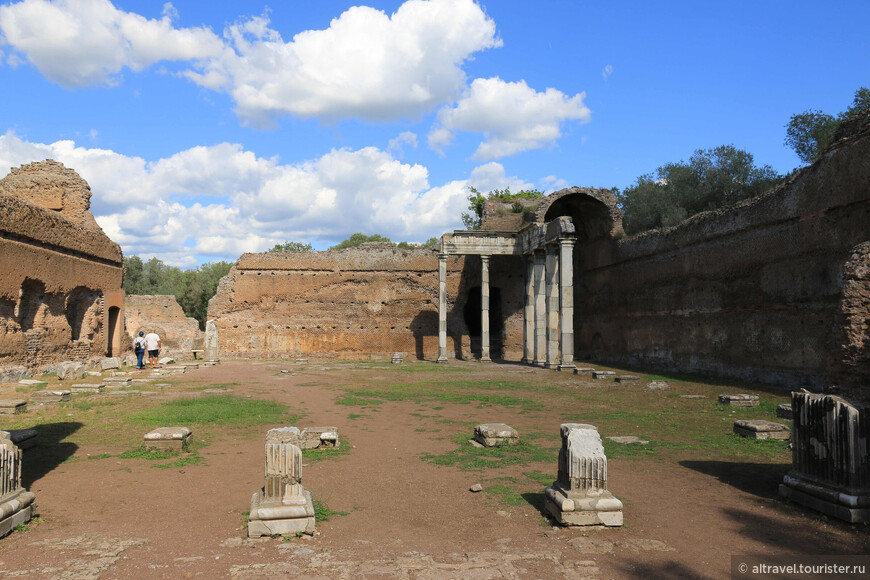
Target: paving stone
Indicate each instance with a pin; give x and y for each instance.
(88, 388)
(627, 378)
(110, 363)
(166, 360)
(48, 397)
(603, 374)
(494, 434)
(12, 406)
(167, 438)
(657, 386)
(31, 382)
(739, 400)
(761, 429)
(584, 371)
(627, 439)
(117, 380)
(784, 411)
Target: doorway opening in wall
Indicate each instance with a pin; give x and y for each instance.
(113, 342)
(471, 316)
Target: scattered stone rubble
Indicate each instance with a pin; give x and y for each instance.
(579, 496)
(318, 438)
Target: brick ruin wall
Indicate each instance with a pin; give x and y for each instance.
(60, 277)
(755, 291)
(364, 302)
(179, 334)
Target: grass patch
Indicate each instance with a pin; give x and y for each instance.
(468, 457)
(142, 453)
(215, 410)
(353, 401)
(322, 512)
(448, 395)
(312, 455)
(354, 416)
(100, 456)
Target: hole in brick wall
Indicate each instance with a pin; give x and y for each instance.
(77, 304)
(31, 297)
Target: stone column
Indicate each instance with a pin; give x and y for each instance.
(566, 281)
(540, 310)
(529, 312)
(484, 309)
(211, 341)
(553, 327)
(442, 308)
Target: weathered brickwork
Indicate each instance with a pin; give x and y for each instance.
(179, 334)
(60, 285)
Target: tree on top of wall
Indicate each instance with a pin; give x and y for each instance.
(471, 221)
(358, 239)
(191, 288)
(809, 133)
(712, 178)
(292, 247)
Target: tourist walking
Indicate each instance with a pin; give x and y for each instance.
(152, 344)
(139, 350)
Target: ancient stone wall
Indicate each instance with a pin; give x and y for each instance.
(368, 301)
(60, 284)
(751, 291)
(179, 334)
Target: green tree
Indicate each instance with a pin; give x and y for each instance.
(711, 179)
(476, 200)
(357, 239)
(292, 247)
(430, 243)
(811, 132)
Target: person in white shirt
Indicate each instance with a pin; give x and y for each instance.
(152, 344)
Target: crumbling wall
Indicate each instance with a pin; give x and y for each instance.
(179, 334)
(368, 301)
(60, 284)
(751, 291)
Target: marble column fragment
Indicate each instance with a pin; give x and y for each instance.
(211, 341)
(484, 309)
(540, 310)
(442, 308)
(283, 506)
(529, 312)
(553, 328)
(579, 496)
(566, 294)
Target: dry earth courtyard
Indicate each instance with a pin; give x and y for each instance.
(393, 500)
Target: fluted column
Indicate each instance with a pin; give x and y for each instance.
(540, 310)
(442, 308)
(566, 277)
(529, 312)
(484, 308)
(553, 327)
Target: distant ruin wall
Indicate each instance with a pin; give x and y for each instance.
(60, 284)
(368, 301)
(751, 291)
(179, 334)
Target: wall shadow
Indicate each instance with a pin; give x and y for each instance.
(759, 479)
(50, 452)
(424, 324)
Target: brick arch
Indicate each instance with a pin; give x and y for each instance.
(593, 211)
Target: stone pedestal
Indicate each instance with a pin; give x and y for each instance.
(49, 397)
(16, 503)
(12, 406)
(171, 438)
(739, 400)
(579, 496)
(283, 506)
(318, 438)
(761, 429)
(496, 434)
(830, 463)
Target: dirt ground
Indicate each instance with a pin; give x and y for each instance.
(685, 515)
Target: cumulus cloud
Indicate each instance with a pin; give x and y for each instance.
(512, 116)
(77, 43)
(222, 200)
(367, 64)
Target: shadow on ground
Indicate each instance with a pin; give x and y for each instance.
(761, 479)
(50, 452)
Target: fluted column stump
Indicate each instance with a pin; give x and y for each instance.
(283, 506)
(579, 496)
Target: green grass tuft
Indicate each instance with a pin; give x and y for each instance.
(216, 410)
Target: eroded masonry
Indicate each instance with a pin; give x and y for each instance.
(60, 284)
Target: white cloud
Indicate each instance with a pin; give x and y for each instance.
(156, 208)
(404, 138)
(606, 72)
(367, 64)
(512, 116)
(79, 43)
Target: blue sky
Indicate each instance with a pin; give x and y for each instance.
(208, 129)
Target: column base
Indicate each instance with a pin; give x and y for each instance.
(484, 359)
(441, 359)
(828, 500)
(525, 361)
(567, 367)
(551, 365)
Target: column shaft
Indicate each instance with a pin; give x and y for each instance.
(484, 308)
(529, 312)
(566, 275)
(553, 327)
(540, 310)
(442, 308)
